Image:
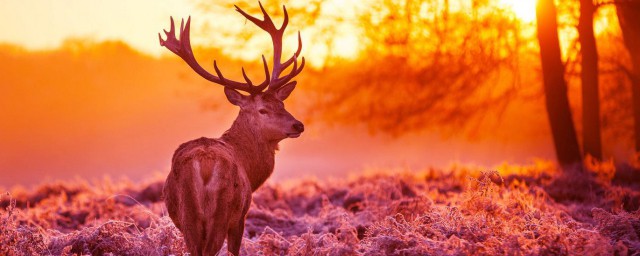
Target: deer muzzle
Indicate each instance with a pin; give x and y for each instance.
(298, 127)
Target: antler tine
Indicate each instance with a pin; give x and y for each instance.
(215, 67)
(266, 74)
(285, 22)
(274, 85)
(266, 24)
(182, 48)
(246, 78)
(168, 34)
(286, 64)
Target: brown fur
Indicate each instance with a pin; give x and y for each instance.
(207, 203)
(208, 191)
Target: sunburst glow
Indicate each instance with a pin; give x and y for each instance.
(525, 10)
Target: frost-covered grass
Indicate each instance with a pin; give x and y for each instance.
(512, 210)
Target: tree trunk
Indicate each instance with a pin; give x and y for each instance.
(555, 87)
(591, 141)
(629, 18)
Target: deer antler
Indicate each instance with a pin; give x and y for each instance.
(276, 37)
(182, 48)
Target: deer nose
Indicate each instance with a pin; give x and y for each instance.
(298, 127)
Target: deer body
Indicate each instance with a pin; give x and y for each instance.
(207, 196)
(208, 190)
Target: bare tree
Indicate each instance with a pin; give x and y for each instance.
(591, 135)
(555, 87)
(629, 18)
(427, 64)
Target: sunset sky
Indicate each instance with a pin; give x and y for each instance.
(45, 24)
(477, 126)
(84, 113)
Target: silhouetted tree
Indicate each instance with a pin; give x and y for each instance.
(427, 64)
(591, 136)
(629, 19)
(555, 87)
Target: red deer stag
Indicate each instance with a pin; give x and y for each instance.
(208, 190)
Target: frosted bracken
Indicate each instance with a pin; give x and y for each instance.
(514, 210)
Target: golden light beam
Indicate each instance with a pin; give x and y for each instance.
(525, 10)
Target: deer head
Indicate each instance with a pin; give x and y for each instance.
(263, 109)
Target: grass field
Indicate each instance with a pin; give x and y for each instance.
(508, 210)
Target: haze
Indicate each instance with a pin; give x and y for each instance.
(88, 92)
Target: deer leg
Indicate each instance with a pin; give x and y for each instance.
(214, 238)
(192, 227)
(193, 239)
(235, 237)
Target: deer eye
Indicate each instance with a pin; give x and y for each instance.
(263, 111)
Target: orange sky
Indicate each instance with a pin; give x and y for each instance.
(45, 24)
(93, 109)
(81, 112)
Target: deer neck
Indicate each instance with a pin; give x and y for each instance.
(253, 152)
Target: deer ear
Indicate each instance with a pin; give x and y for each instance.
(283, 92)
(234, 97)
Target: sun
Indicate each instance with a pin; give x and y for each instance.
(525, 10)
